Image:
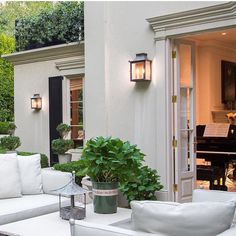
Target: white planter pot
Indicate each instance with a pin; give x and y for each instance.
(65, 158)
(13, 151)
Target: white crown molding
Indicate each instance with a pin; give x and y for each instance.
(194, 20)
(46, 53)
(76, 63)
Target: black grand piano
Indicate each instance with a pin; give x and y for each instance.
(220, 151)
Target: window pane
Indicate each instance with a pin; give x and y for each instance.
(76, 105)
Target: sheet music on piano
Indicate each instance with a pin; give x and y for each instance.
(216, 130)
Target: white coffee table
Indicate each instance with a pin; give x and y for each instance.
(52, 224)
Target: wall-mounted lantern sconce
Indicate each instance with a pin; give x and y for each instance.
(36, 102)
(140, 68)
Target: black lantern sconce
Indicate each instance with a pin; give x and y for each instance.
(36, 102)
(140, 68)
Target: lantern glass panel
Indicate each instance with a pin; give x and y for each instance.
(36, 103)
(148, 70)
(138, 70)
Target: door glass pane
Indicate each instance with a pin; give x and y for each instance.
(185, 65)
(186, 129)
(76, 110)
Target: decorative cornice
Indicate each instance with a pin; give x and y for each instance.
(46, 53)
(162, 24)
(77, 63)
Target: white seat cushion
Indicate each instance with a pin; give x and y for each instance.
(175, 219)
(28, 206)
(10, 185)
(30, 174)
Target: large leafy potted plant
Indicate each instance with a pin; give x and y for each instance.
(108, 161)
(61, 145)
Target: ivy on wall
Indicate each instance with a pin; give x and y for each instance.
(62, 24)
(7, 46)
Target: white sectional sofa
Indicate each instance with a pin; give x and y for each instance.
(147, 219)
(30, 202)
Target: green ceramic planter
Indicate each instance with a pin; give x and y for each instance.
(105, 197)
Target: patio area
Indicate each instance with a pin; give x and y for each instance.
(112, 112)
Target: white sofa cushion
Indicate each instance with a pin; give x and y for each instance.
(175, 219)
(10, 185)
(229, 232)
(53, 179)
(84, 228)
(30, 174)
(201, 195)
(28, 206)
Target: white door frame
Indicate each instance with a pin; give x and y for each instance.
(215, 17)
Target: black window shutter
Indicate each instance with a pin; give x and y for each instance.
(55, 111)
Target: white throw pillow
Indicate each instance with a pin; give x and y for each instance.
(202, 195)
(30, 174)
(10, 185)
(175, 219)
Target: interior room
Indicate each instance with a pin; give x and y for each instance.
(215, 97)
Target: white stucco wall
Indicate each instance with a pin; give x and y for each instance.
(31, 72)
(33, 126)
(115, 32)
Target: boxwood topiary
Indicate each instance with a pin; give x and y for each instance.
(61, 146)
(10, 142)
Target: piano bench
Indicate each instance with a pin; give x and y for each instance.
(209, 173)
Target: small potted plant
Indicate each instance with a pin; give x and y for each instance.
(108, 161)
(61, 145)
(10, 143)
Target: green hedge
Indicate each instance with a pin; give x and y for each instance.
(69, 167)
(62, 24)
(7, 46)
(4, 127)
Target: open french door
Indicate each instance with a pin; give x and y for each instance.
(184, 131)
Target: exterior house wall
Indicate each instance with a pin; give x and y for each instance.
(32, 126)
(115, 32)
(32, 69)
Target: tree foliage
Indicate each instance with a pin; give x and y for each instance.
(9, 12)
(12, 10)
(7, 45)
(62, 24)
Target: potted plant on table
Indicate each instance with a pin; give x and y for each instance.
(108, 161)
(61, 145)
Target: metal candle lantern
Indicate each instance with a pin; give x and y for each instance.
(36, 102)
(71, 190)
(140, 68)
